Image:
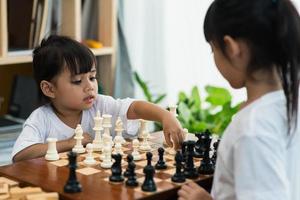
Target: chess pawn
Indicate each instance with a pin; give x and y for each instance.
(145, 145)
(89, 160)
(52, 152)
(78, 148)
(149, 171)
(97, 142)
(105, 143)
(135, 145)
(143, 124)
(130, 173)
(178, 177)
(173, 109)
(107, 163)
(161, 164)
(118, 145)
(116, 169)
(119, 129)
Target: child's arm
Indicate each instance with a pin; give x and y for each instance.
(192, 191)
(39, 150)
(149, 111)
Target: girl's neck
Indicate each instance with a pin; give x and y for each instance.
(69, 117)
(260, 84)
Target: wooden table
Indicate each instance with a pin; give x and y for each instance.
(38, 172)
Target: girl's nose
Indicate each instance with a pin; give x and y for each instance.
(89, 86)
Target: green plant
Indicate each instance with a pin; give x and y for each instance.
(150, 97)
(196, 117)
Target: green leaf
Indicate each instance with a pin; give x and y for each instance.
(195, 97)
(182, 97)
(143, 86)
(184, 111)
(217, 96)
(159, 98)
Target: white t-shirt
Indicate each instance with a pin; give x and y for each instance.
(257, 158)
(44, 123)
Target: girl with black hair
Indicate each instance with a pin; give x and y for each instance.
(256, 45)
(65, 72)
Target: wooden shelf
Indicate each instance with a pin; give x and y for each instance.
(28, 58)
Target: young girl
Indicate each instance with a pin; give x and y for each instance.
(256, 45)
(65, 72)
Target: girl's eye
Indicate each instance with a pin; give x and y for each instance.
(93, 78)
(76, 82)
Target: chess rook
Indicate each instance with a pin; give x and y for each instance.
(51, 152)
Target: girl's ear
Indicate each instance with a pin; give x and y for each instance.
(47, 89)
(232, 47)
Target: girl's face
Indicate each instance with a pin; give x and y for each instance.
(232, 74)
(77, 92)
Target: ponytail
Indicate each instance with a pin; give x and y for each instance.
(288, 59)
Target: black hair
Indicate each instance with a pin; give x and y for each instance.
(271, 28)
(57, 52)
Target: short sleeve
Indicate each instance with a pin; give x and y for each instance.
(259, 168)
(29, 136)
(119, 108)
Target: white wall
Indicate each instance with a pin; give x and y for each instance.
(168, 47)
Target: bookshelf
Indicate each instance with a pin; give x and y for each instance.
(12, 63)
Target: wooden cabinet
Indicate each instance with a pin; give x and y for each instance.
(71, 12)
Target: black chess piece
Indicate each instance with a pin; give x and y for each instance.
(149, 184)
(199, 146)
(72, 185)
(214, 156)
(116, 169)
(161, 164)
(183, 151)
(190, 171)
(178, 177)
(206, 166)
(131, 181)
(129, 159)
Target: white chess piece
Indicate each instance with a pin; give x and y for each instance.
(142, 128)
(107, 163)
(89, 159)
(97, 142)
(119, 129)
(118, 145)
(78, 148)
(135, 153)
(145, 146)
(107, 125)
(106, 143)
(173, 109)
(52, 152)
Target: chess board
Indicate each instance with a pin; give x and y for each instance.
(52, 176)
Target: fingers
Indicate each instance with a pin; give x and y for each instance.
(168, 139)
(182, 193)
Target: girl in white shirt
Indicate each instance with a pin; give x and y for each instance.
(65, 72)
(256, 45)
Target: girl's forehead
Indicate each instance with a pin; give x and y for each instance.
(66, 70)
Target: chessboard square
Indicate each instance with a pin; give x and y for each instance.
(142, 179)
(169, 157)
(60, 163)
(169, 180)
(115, 183)
(139, 190)
(170, 171)
(88, 171)
(95, 155)
(140, 171)
(86, 165)
(141, 163)
(10, 182)
(63, 155)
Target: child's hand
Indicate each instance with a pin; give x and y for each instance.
(172, 129)
(86, 139)
(192, 191)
